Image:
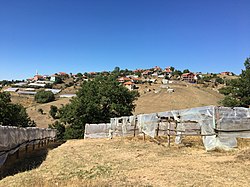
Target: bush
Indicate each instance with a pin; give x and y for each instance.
(40, 111)
(239, 89)
(60, 130)
(226, 90)
(229, 101)
(219, 80)
(53, 111)
(13, 114)
(44, 97)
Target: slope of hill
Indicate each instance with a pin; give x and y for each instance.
(43, 120)
(133, 162)
(157, 100)
(184, 96)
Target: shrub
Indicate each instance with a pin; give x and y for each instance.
(53, 111)
(229, 101)
(44, 96)
(40, 111)
(60, 130)
(13, 114)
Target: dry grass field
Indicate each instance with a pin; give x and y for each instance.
(133, 162)
(184, 96)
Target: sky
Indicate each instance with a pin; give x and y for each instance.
(95, 35)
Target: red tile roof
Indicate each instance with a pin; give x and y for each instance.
(128, 83)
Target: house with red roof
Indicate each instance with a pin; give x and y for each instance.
(157, 69)
(130, 85)
(188, 77)
(227, 73)
(168, 70)
(63, 74)
(123, 79)
(138, 71)
(38, 78)
(147, 72)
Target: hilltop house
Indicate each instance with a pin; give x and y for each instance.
(123, 79)
(147, 72)
(129, 85)
(188, 77)
(63, 74)
(157, 69)
(54, 78)
(168, 70)
(226, 73)
(38, 77)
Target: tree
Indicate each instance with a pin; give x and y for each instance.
(116, 69)
(219, 80)
(60, 129)
(40, 110)
(53, 111)
(58, 80)
(177, 73)
(172, 68)
(13, 114)
(79, 75)
(186, 71)
(97, 101)
(44, 96)
(240, 89)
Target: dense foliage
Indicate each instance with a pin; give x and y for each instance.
(53, 111)
(238, 90)
(44, 96)
(97, 101)
(13, 114)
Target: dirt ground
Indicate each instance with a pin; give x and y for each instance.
(133, 162)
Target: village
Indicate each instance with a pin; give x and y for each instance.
(130, 79)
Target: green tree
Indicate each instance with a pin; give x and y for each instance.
(44, 96)
(172, 68)
(53, 111)
(240, 89)
(97, 101)
(79, 75)
(60, 129)
(13, 114)
(186, 71)
(177, 73)
(219, 80)
(116, 70)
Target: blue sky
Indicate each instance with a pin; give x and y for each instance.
(96, 35)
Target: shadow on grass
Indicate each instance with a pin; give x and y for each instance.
(27, 160)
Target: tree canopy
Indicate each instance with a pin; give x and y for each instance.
(97, 101)
(13, 114)
(44, 96)
(238, 90)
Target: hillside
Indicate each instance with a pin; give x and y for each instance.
(152, 99)
(184, 96)
(133, 162)
(43, 120)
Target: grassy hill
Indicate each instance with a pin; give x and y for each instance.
(156, 100)
(184, 96)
